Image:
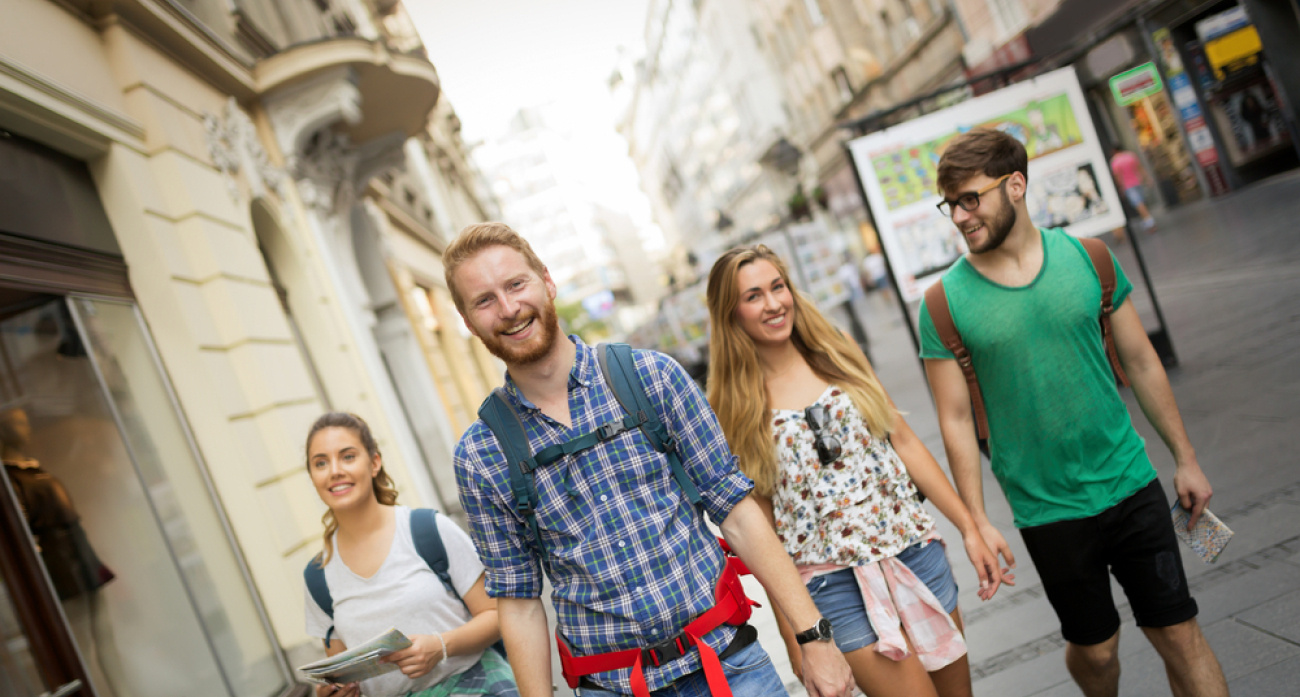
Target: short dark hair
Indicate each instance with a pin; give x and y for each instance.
(979, 151)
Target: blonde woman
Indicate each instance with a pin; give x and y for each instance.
(377, 579)
(837, 469)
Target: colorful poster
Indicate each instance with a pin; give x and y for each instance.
(1069, 181)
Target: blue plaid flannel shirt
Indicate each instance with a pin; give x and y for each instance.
(631, 560)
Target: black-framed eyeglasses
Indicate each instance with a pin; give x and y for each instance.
(970, 200)
(828, 446)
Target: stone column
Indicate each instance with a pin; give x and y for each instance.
(330, 171)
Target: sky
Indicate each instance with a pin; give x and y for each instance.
(495, 57)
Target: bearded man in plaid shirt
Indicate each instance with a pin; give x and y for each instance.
(631, 561)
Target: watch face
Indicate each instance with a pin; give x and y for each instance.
(824, 629)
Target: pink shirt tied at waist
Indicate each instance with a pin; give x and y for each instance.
(896, 600)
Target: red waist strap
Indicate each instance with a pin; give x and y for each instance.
(732, 607)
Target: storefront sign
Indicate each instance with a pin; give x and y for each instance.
(1069, 180)
(1136, 84)
(1199, 139)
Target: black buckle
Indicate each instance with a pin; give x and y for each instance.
(609, 430)
(665, 652)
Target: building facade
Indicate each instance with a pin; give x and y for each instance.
(219, 219)
(842, 59)
(595, 255)
(700, 110)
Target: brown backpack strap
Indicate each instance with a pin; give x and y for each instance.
(1100, 257)
(936, 302)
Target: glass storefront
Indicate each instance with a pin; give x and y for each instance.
(126, 527)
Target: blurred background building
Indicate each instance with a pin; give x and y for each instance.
(738, 114)
(606, 283)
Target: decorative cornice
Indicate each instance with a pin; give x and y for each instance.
(108, 123)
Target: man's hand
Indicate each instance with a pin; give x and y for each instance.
(986, 565)
(998, 545)
(825, 672)
(351, 689)
(1193, 489)
(425, 652)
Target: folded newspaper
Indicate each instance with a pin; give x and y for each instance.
(1207, 538)
(357, 663)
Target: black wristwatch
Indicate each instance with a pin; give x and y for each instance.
(819, 632)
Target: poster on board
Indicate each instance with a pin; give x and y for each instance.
(1069, 179)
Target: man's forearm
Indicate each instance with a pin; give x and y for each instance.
(963, 452)
(752, 539)
(1156, 398)
(747, 530)
(527, 639)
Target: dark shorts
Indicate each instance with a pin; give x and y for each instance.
(1133, 540)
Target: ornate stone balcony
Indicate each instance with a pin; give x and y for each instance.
(377, 92)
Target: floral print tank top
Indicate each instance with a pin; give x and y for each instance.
(859, 509)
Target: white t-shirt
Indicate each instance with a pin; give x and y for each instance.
(404, 593)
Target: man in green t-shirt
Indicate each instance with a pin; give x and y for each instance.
(1082, 489)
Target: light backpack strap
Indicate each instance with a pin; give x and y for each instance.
(936, 303)
(504, 422)
(618, 366)
(1105, 268)
(314, 575)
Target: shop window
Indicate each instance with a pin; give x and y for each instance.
(134, 545)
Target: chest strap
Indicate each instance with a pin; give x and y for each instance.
(730, 607)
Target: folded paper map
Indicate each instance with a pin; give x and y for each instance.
(1207, 538)
(357, 663)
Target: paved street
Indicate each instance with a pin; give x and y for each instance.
(1227, 273)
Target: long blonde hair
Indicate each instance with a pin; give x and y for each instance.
(385, 490)
(736, 388)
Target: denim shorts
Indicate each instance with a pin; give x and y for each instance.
(839, 599)
(1134, 196)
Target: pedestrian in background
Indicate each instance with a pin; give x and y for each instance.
(378, 580)
(1128, 174)
(836, 471)
(632, 564)
(1084, 494)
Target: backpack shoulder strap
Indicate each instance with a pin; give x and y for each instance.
(1099, 255)
(314, 575)
(618, 366)
(936, 303)
(428, 544)
(504, 422)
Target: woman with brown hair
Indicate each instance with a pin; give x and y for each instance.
(837, 469)
(378, 579)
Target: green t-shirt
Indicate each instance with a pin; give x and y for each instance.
(1060, 438)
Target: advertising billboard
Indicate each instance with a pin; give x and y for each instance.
(1069, 179)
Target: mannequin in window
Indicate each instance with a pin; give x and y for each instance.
(52, 519)
(72, 565)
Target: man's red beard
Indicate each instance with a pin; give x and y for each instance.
(548, 325)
